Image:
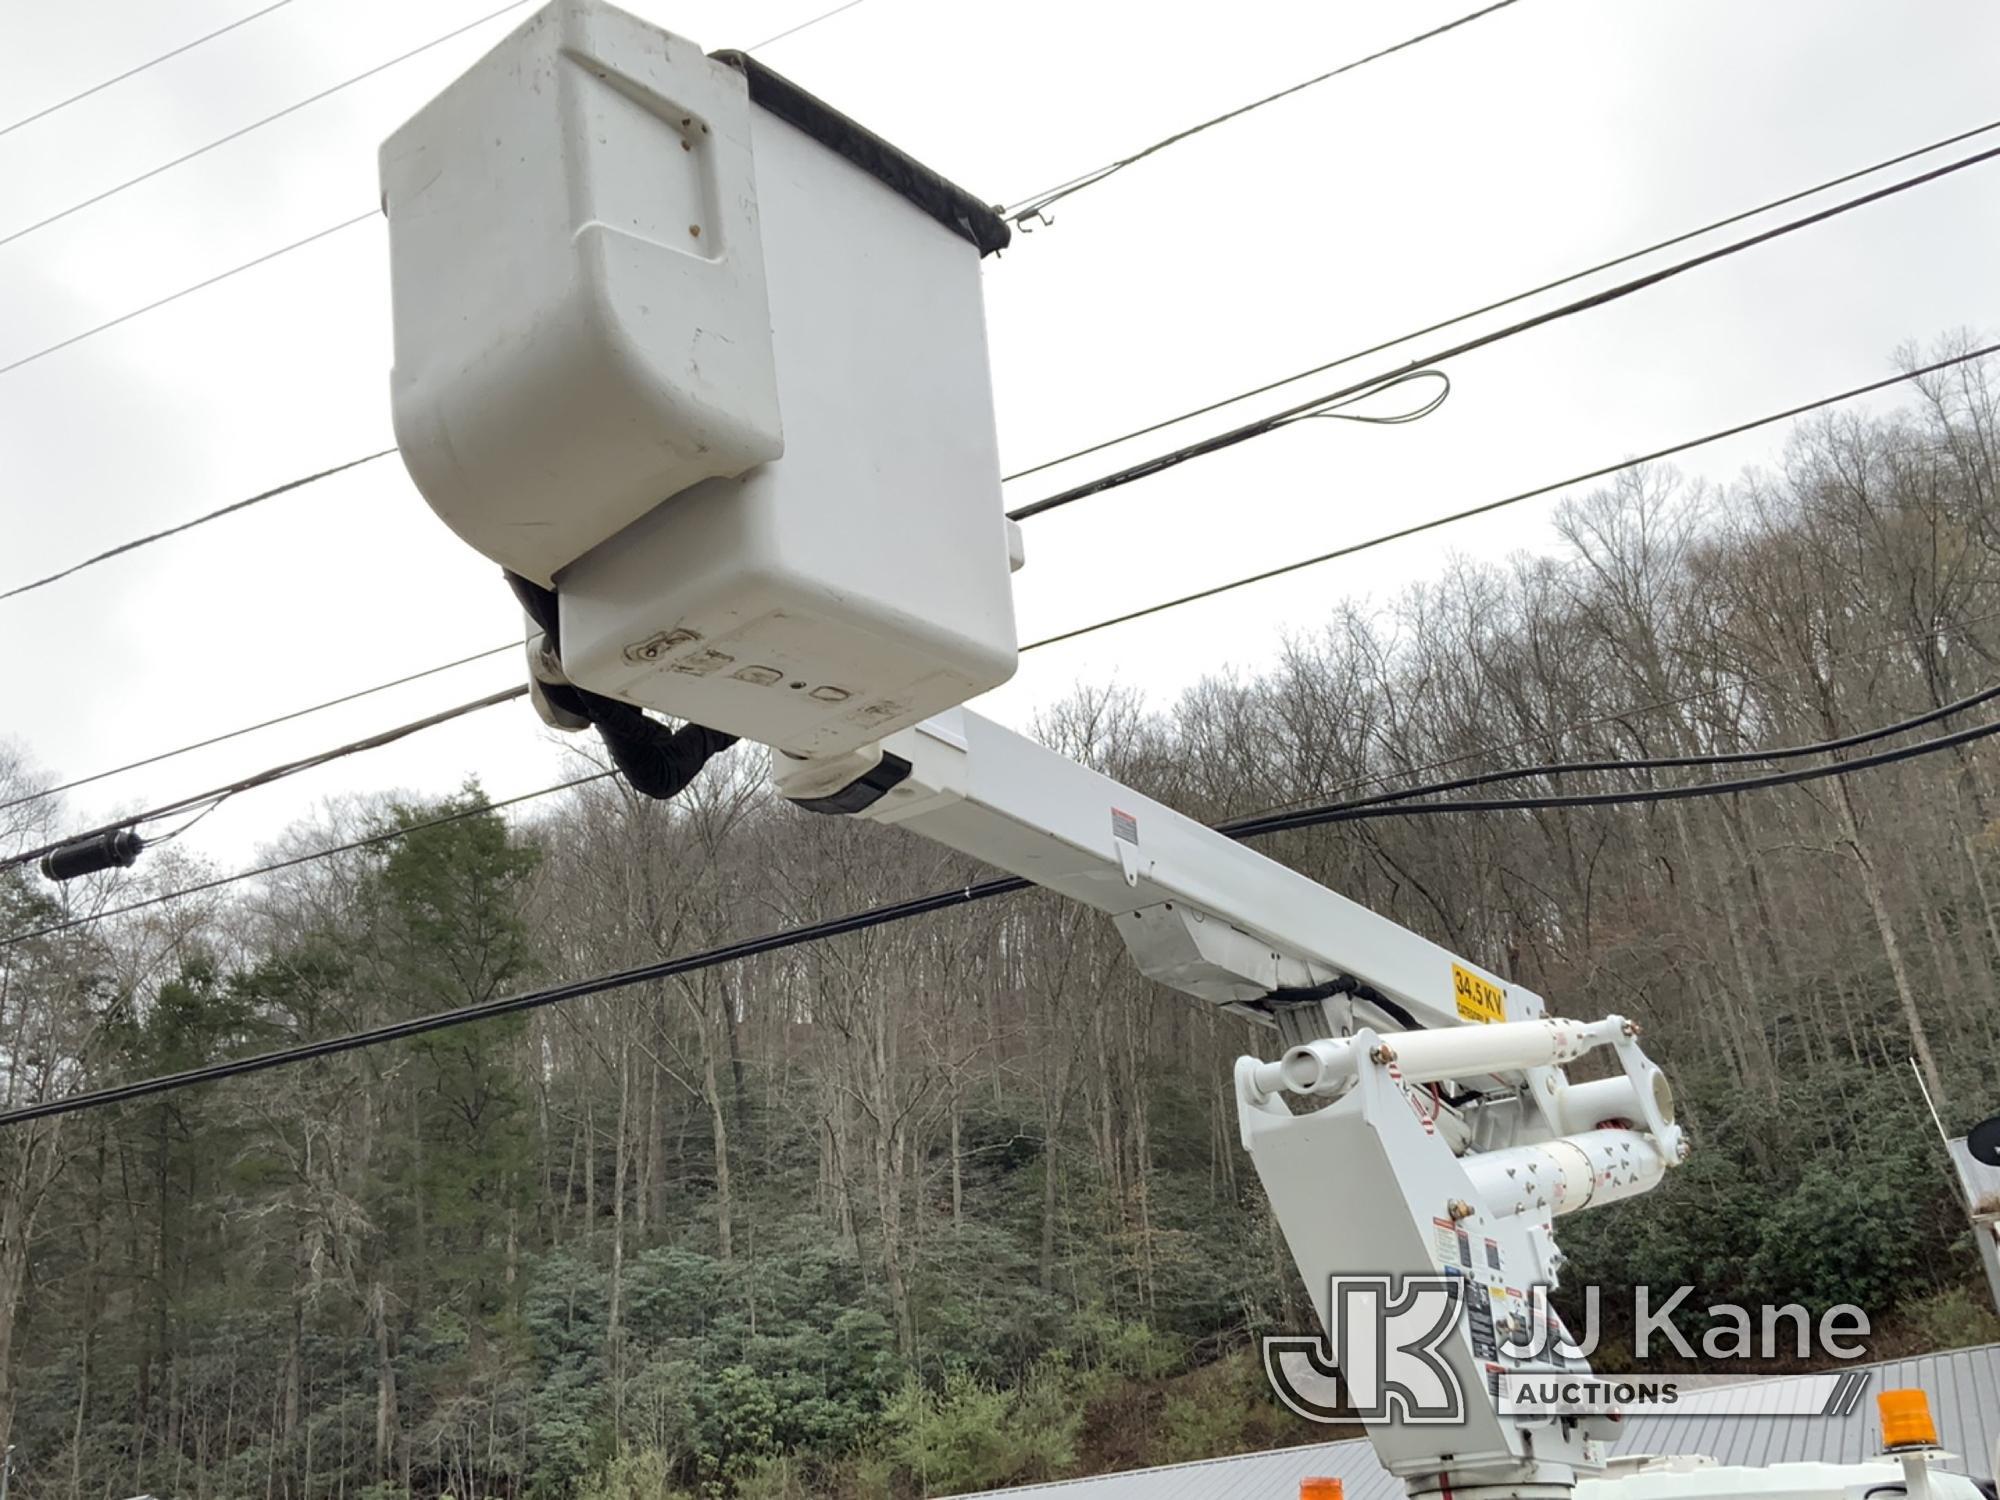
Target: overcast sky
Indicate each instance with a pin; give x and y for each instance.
(1548, 136)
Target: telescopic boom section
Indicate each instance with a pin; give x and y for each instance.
(1199, 911)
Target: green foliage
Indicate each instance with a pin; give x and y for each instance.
(1117, 1346)
(714, 1396)
(980, 1306)
(972, 1436)
(779, 1477)
(455, 890)
(1956, 1317)
(1202, 1423)
(644, 1475)
(1798, 1259)
(738, 1415)
(452, 896)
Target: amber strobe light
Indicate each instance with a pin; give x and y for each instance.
(1906, 1420)
(1319, 1489)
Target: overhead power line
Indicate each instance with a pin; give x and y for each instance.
(215, 796)
(1316, 407)
(1534, 291)
(1574, 726)
(388, 835)
(1130, 615)
(1736, 683)
(305, 240)
(1631, 765)
(1183, 417)
(1404, 532)
(284, 718)
(154, 62)
(375, 1036)
(1263, 426)
(1266, 425)
(1376, 807)
(290, 109)
(202, 520)
(814, 932)
(1227, 439)
(1560, 281)
(1037, 205)
(248, 265)
(825, 15)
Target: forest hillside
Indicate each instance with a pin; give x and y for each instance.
(959, 1201)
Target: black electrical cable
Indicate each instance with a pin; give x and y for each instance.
(153, 62)
(1681, 762)
(1152, 427)
(1619, 715)
(1146, 468)
(1402, 533)
(772, 942)
(1347, 984)
(302, 481)
(202, 520)
(1374, 807)
(364, 216)
(1268, 424)
(272, 118)
(273, 773)
(1307, 562)
(1681, 700)
(1534, 291)
(220, 276)
(387, 836)
(1313, 408)
(1338, 412)
(1037, 205)
(284, 718)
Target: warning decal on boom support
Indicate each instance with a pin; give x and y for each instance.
(1478, 999)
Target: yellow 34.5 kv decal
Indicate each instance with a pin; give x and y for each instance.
(1478, 999)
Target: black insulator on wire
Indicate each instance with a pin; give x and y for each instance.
(116, 847)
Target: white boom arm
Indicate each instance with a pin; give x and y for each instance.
(1395, 1175)
(1200, 912)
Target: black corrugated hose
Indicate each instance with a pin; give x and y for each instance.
(658, 762)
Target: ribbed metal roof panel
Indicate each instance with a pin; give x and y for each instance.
(1725, 1424)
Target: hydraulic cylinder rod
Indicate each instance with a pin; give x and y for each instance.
(1326, 1066)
